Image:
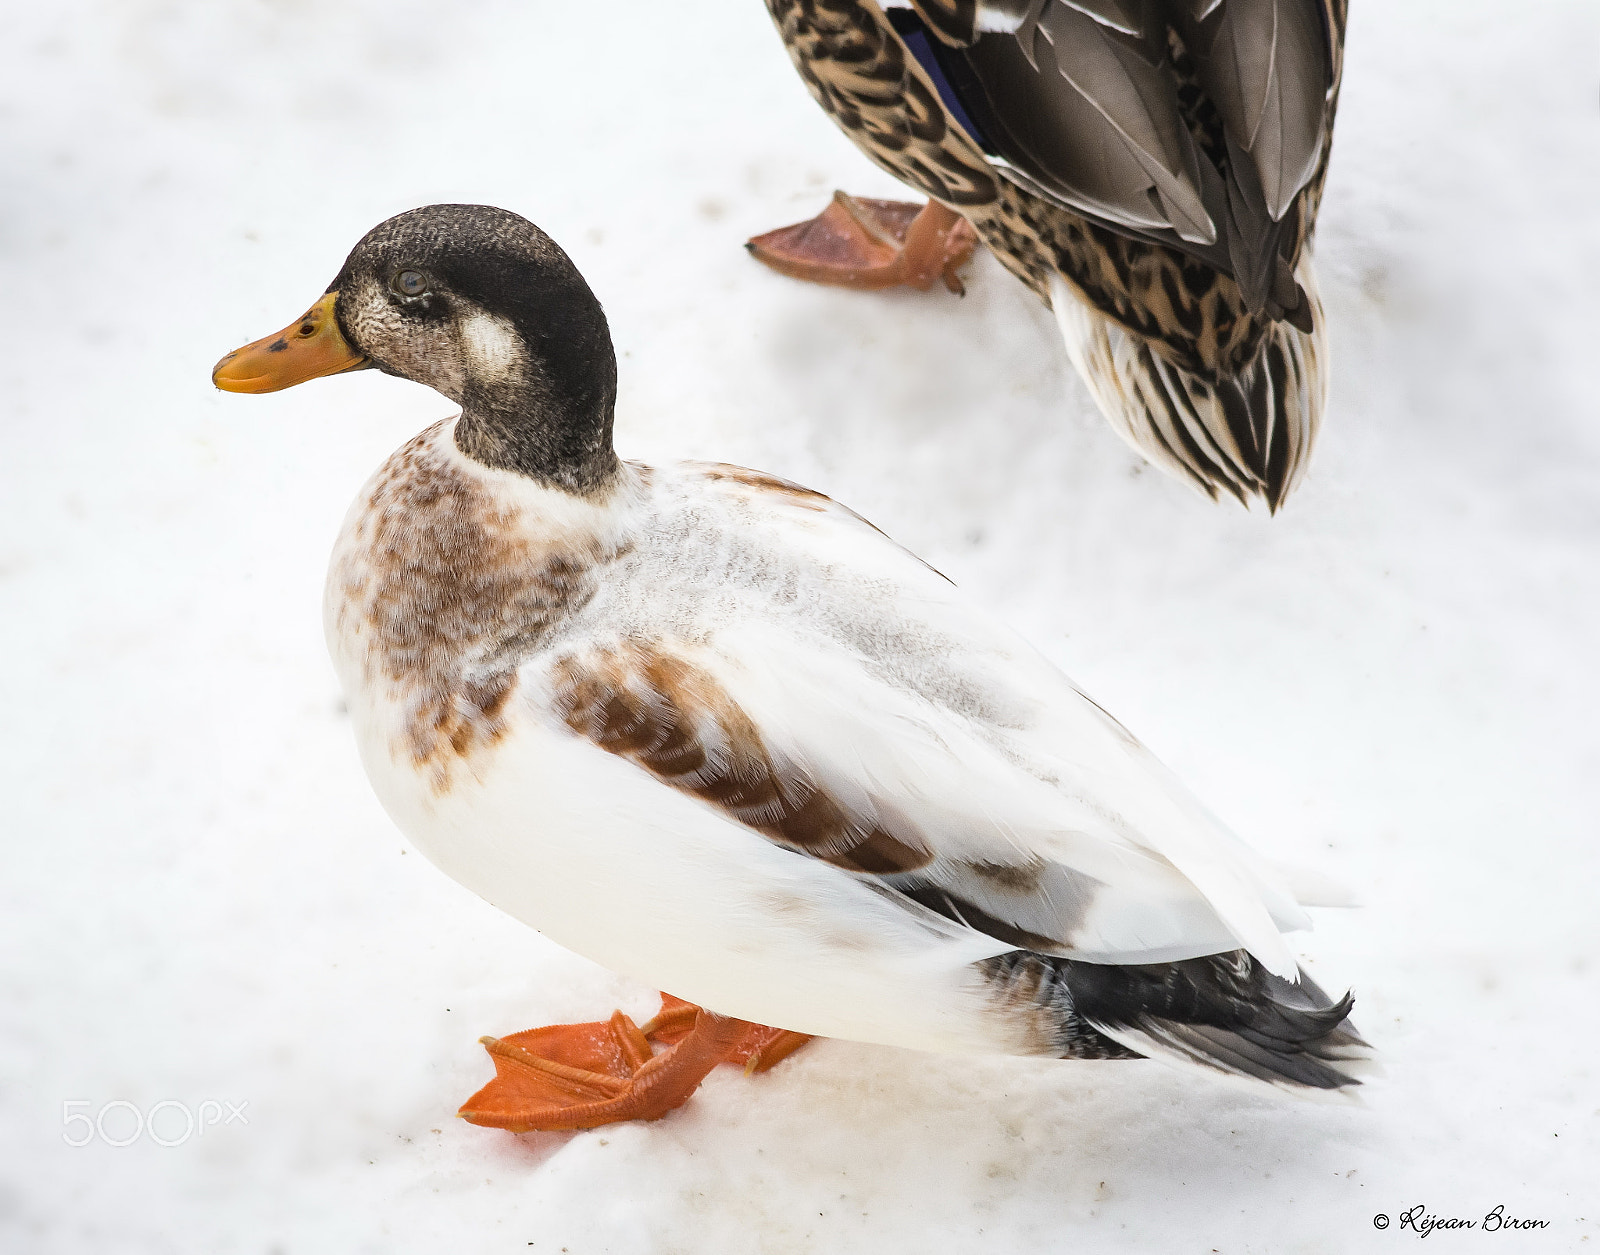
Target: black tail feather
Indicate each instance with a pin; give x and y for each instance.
(1225, 1011)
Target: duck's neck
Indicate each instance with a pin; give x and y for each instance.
(539, 399)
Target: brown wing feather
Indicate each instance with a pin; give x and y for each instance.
(1196, 134)
(953, 21)
(1265, 65)
(858, 71)
(654, 708)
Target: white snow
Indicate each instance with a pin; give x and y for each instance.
(1394, 682)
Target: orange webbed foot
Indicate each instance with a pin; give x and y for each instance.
(858, 242)
(760, 1049)
(580, 1076)
(765, 1048)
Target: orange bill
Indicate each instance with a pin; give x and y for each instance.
(308, 348)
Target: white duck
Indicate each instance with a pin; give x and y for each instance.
(714, 731)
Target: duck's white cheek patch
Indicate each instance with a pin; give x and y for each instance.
(494, 350)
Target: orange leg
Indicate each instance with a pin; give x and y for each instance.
(869, 244)
(761, 1048)
(580, 1076)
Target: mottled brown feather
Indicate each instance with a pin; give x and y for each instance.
(447, 593)
(644, 703)
(762, 482)
(954, 21)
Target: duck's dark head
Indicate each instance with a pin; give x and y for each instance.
(483, 306)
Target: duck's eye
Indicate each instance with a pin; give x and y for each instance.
(409, 283)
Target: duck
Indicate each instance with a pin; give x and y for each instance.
(718, 733)
(1151, 169)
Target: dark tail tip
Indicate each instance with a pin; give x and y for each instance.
(1226, 1012)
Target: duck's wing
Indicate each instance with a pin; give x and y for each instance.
(871, 717)
(1192, 123)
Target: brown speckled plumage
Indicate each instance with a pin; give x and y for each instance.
(1228, 427)
(446, 594)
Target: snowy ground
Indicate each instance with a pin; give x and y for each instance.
(1395, 681)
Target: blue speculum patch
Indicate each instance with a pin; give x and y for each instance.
(915, 37)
